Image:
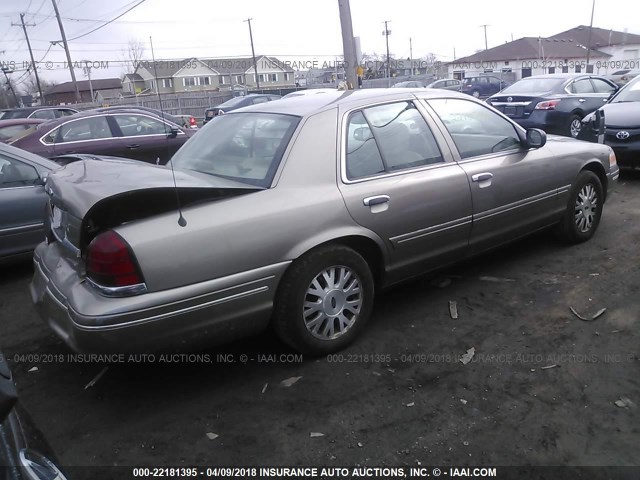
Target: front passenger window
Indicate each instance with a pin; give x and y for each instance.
(475, 129)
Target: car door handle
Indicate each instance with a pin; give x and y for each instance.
(481, 177)
(376, 200)
(131, 147)
(581, 100)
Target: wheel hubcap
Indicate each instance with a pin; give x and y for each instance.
(586, 207)
(332, 302)
(575, 127)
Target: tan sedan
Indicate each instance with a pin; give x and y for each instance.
(294, 213)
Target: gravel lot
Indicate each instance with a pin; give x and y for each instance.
(400, 394)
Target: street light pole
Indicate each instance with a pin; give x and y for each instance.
(593, 7)
(253, 54)
(386, 33)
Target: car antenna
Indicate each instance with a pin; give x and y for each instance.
(181, 220)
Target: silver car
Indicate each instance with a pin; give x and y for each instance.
(294, 213)
(22, 201)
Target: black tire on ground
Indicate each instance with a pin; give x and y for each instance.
(296, 289)
(571, 131)
(584, 209)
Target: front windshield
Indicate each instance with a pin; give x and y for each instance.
(245, 147)
(629, 93)
(534, 85)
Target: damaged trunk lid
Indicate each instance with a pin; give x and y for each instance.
(90, 196)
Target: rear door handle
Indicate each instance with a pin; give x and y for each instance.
(481, 177)
(133, 146)
(581, 100)
(376, 200)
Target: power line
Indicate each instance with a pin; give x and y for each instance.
(108, 22)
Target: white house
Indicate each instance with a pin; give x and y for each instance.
(565, 52)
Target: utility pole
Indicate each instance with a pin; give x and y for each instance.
(66, 49)
(486, 45)
(386, 33)
(33, 62)
(411, 55)
(6, 71)
(593, 7)
(87, 71)
(348, 44)
(253, 54)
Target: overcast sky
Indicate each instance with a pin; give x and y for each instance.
(288, 29)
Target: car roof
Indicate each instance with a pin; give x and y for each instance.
(21, 121)
(307, 105)
(40, 107)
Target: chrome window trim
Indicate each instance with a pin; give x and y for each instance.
(128, 291)
(343, 144)
(106, 138)
(512, 104)
(21, 228)
(16, 188)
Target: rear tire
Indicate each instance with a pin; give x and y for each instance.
(476, 94)
(324, 300)
(575, 124)
(584, 209)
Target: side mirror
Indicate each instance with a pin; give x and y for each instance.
(42, 179)
(8, 394)
(536, 138)
(173, 133)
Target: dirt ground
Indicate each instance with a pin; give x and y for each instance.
(400, 395)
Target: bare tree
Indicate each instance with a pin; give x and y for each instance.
(7, 99)
(30, 87)
(133, 54)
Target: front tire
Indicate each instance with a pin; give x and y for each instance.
(324, 300)
(476, 94)
(584, 209)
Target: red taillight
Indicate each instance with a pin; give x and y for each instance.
(192, 121)
(110, 263)
(547, 105)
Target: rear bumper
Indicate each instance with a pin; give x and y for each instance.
(551, 121)
(207, 313)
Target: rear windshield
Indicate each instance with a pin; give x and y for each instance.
(534, 85)
(232, 103)
(245, 147)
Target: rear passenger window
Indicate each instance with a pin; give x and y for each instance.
(388, 138)
(601, 86)
(581, 86)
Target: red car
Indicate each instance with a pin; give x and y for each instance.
(130, 134)
(13, 128)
